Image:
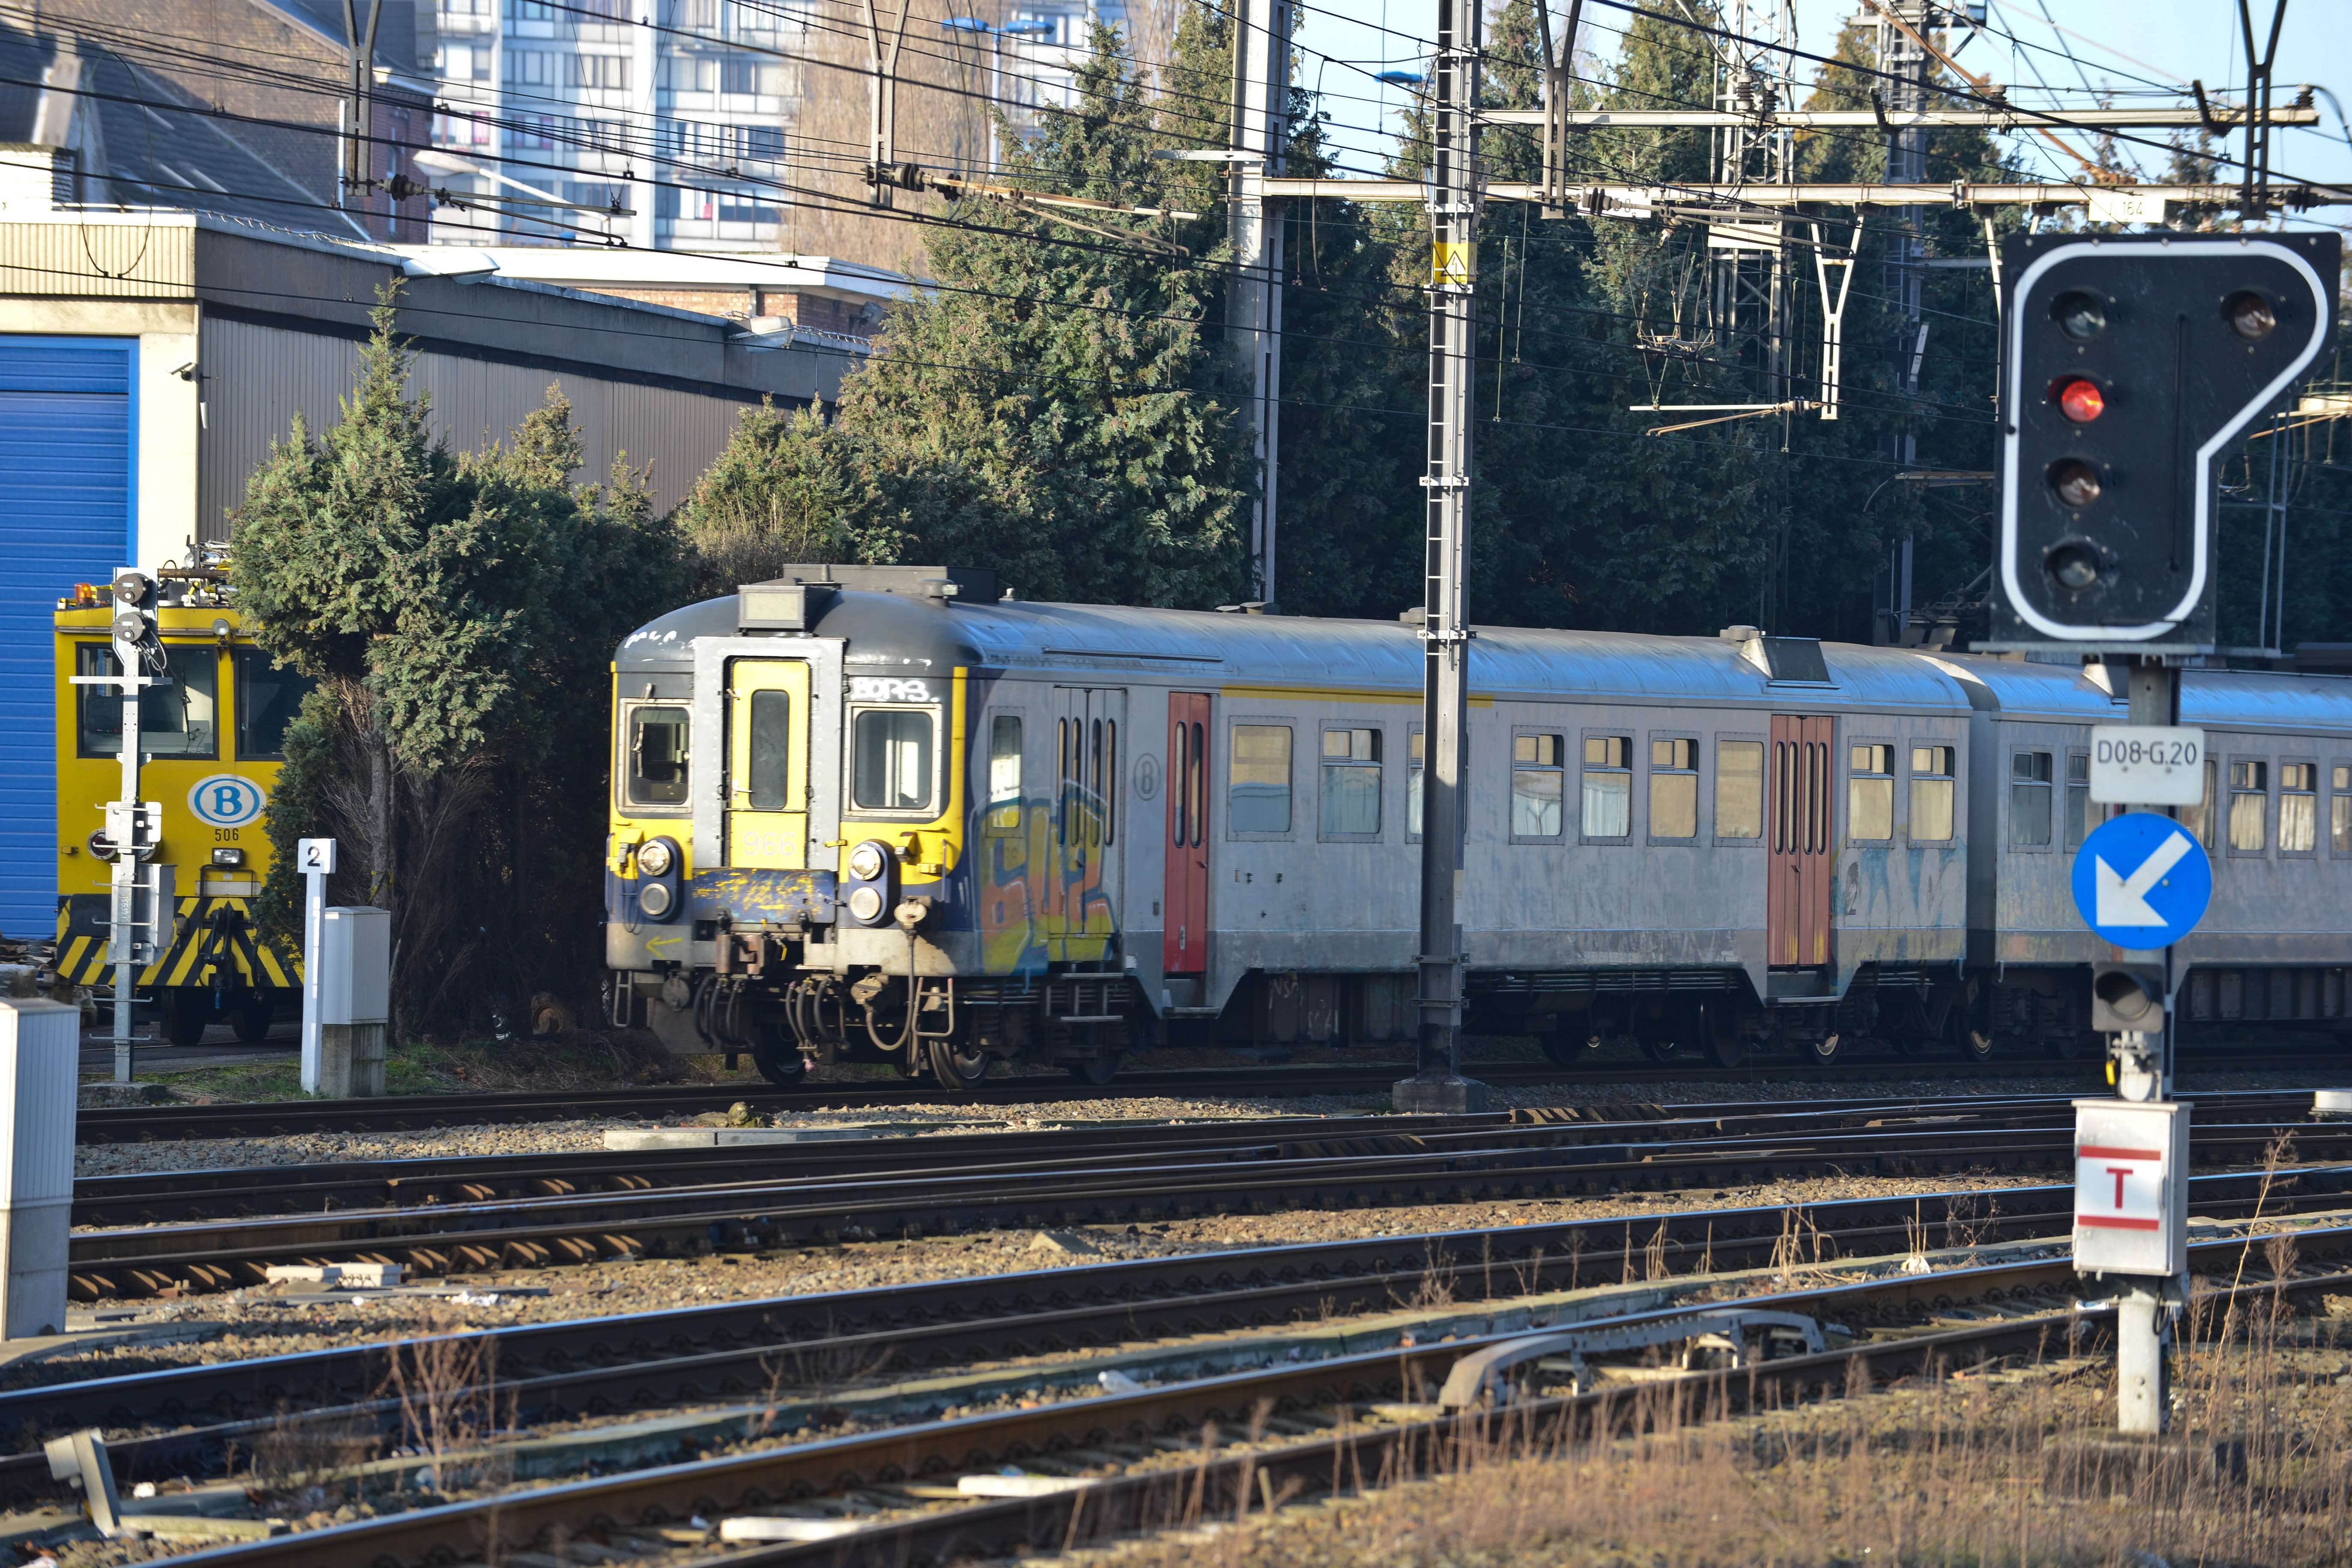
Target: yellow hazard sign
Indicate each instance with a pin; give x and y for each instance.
(1452, 262)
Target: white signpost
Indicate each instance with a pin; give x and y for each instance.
(315, 859)
(2131, 1210)
(2147, 764)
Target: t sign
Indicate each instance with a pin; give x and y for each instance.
(2131, 1187)
(315, 857)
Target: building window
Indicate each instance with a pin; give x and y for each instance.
(2340, 809)
(601, 73)
(1932, 787)
(1740, 789)
(1259, 801)
(733, 208)
(2249, 803)
(654, 774)
(763, 141)
(1351, 783)
(738, 75)
(1608, 786)
(536, 132)
(2078, 798)
(892, 760)
(1538, 785)
(2029, 799)
(1870, 791)
(525, 67)
(1673, 789)
(2298, 808)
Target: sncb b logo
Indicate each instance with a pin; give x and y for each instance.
(224, 800)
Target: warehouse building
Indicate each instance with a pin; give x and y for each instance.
(148, 357)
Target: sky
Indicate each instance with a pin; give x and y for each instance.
(2124, 46)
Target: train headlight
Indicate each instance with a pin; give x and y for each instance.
(656, 858)
(865, 904)
(228, 856)
(866, 863)
(656, 898)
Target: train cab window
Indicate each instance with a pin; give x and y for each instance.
(2029, 799)
(2079, 820)
(1608, 786)
(2298, 808)
(2340, 809)
(771, 752)
(891, 759)
(1870, 791)
(1740, 789)
(1003, 774)
(1673, 789)
(1260, 797)
(175, 720)
(2250, 807)
(657, 761)
(1932, 785)
(1539, 781)
(268, 696)
(1351, 783)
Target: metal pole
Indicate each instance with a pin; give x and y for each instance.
(126, 827)
(1438, 1085)
(1260, 87)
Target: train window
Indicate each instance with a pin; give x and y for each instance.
(1740, 789)
(1412, 786)
(1351, 783)
(1870, 791)
(892, 760)
(2250, 807)
(2340, 809)
(2298, 808)
(175, 720)
(1110, 779)
(2078, 798)
(1260, 802)
(1608, 786)
(1538, 785)
(770, 751)
(268, 696)
(1673, 789)
(1196, 793)
(2029, 799)
(2199, 818)
(1098, 826)
(1003, 774)
(1932, 783)
(657, 756)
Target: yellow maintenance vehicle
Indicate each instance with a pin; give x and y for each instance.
(212, 743)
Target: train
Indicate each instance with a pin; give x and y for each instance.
(212, 741)
(895, 814)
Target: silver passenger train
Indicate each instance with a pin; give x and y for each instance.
(882, 813)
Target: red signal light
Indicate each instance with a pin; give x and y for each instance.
(2081, 401)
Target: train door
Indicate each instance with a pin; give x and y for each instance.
(1185, 947)
(1081, 890)
(767, 762)
(1797, 899)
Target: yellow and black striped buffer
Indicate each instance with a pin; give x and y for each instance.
(213, 941)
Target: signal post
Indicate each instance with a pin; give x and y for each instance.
(2134, 364)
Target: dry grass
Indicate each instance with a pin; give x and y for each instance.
(445, 1384)
(1975, 1471)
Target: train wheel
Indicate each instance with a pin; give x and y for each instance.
(1718, 1033)
(1569, 1048)
(959, 1069)
(186, 1014)
(1972, 1044)
(253, 1020)
(780, 1064)
(1824, 1052)
(1663, 1049)
(1097, 1071)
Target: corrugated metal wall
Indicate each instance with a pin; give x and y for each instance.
(67, 424)
(258, 377)
(109, 260)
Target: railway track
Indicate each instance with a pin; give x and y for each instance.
(1174, 1181)
(413, 1113)
(589, 1367)
(1304, 1422)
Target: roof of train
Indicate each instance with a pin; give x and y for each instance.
(902, 632)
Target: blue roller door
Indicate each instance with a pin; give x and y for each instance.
(68, 433)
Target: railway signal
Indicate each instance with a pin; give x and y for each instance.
(2132, 366)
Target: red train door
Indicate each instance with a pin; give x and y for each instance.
(1185, 949)
(1797, 899)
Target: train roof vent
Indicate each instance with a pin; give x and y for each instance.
(969, 584)
(1794, 661)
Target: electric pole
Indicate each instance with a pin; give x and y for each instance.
(1437, 1084)
(1260, 87)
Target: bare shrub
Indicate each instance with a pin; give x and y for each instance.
(444, 1385)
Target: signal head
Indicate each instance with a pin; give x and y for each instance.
(2080, 314)
(2077, 482)
(2073, 565)
(2079, 399)
(2250, 315)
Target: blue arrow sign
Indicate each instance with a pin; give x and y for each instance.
(2142, 880)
